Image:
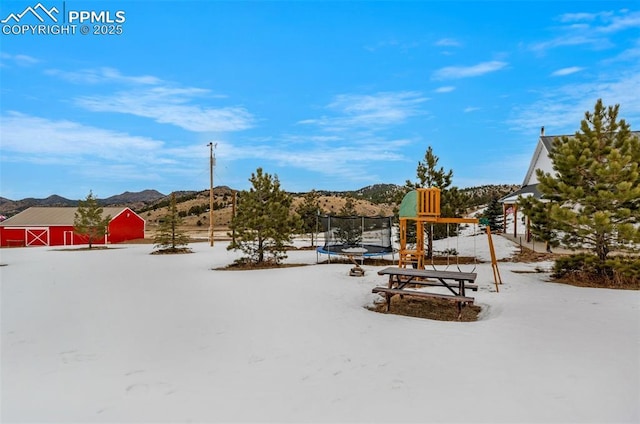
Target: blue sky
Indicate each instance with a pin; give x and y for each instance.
(326, 95)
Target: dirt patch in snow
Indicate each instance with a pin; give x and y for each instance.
(435, 309)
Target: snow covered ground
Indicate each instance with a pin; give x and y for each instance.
(122, 336)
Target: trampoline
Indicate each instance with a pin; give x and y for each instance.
(355, 236)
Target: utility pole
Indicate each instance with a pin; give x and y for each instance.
(212, 164)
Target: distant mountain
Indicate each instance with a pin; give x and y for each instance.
(377, 193)
(11, 207)
(133, 200)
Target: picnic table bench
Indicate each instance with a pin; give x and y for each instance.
(455, 282)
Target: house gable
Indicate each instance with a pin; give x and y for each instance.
(540, 160)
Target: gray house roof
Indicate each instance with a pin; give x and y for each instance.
(547, 140)
(45, 216)
(530, 190)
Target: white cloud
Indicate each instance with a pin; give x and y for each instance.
(445, 89)
(393, 43)
(630, 54)
(577, 17)
(455, 72)
(63, 139)
(18, 59)
(94, 153)
(620, 23)
(370, 110)
(471, 109)
(562, 110)
(151, 97)
(572, 40)
(171, 106)
(357, 143)
(603, 21)
(447, 42)
(589, 29)
(353, 159)
(566, 71)
(102, 75)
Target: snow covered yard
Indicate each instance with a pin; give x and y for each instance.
(119, 335)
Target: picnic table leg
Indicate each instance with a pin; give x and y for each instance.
(388, 295)
(462, 293)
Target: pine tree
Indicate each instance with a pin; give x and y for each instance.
(88, 220)
(541, 225)
(349, 230)
(169, 236)
(308, 211)
(428, 174)
(595, 193)
(263, 225)
(493, 215)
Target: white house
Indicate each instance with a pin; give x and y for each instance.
(540, 160)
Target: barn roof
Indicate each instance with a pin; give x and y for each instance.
(46, 216)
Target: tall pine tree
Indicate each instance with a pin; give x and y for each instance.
(493, 215)
(263, 225)
(170, 237)
(348, 225)
(308, 211)
(595, 191)
(88, 220)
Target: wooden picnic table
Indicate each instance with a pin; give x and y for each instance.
(454, 282)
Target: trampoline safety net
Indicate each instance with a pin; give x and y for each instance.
(356, 235)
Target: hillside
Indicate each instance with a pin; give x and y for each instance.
(11, 207)
(378, 199)
(481, 195)
(133, 199)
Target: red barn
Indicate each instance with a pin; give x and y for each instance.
(54, 227)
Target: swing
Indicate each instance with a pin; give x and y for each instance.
(447, 251)
(475, 256)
